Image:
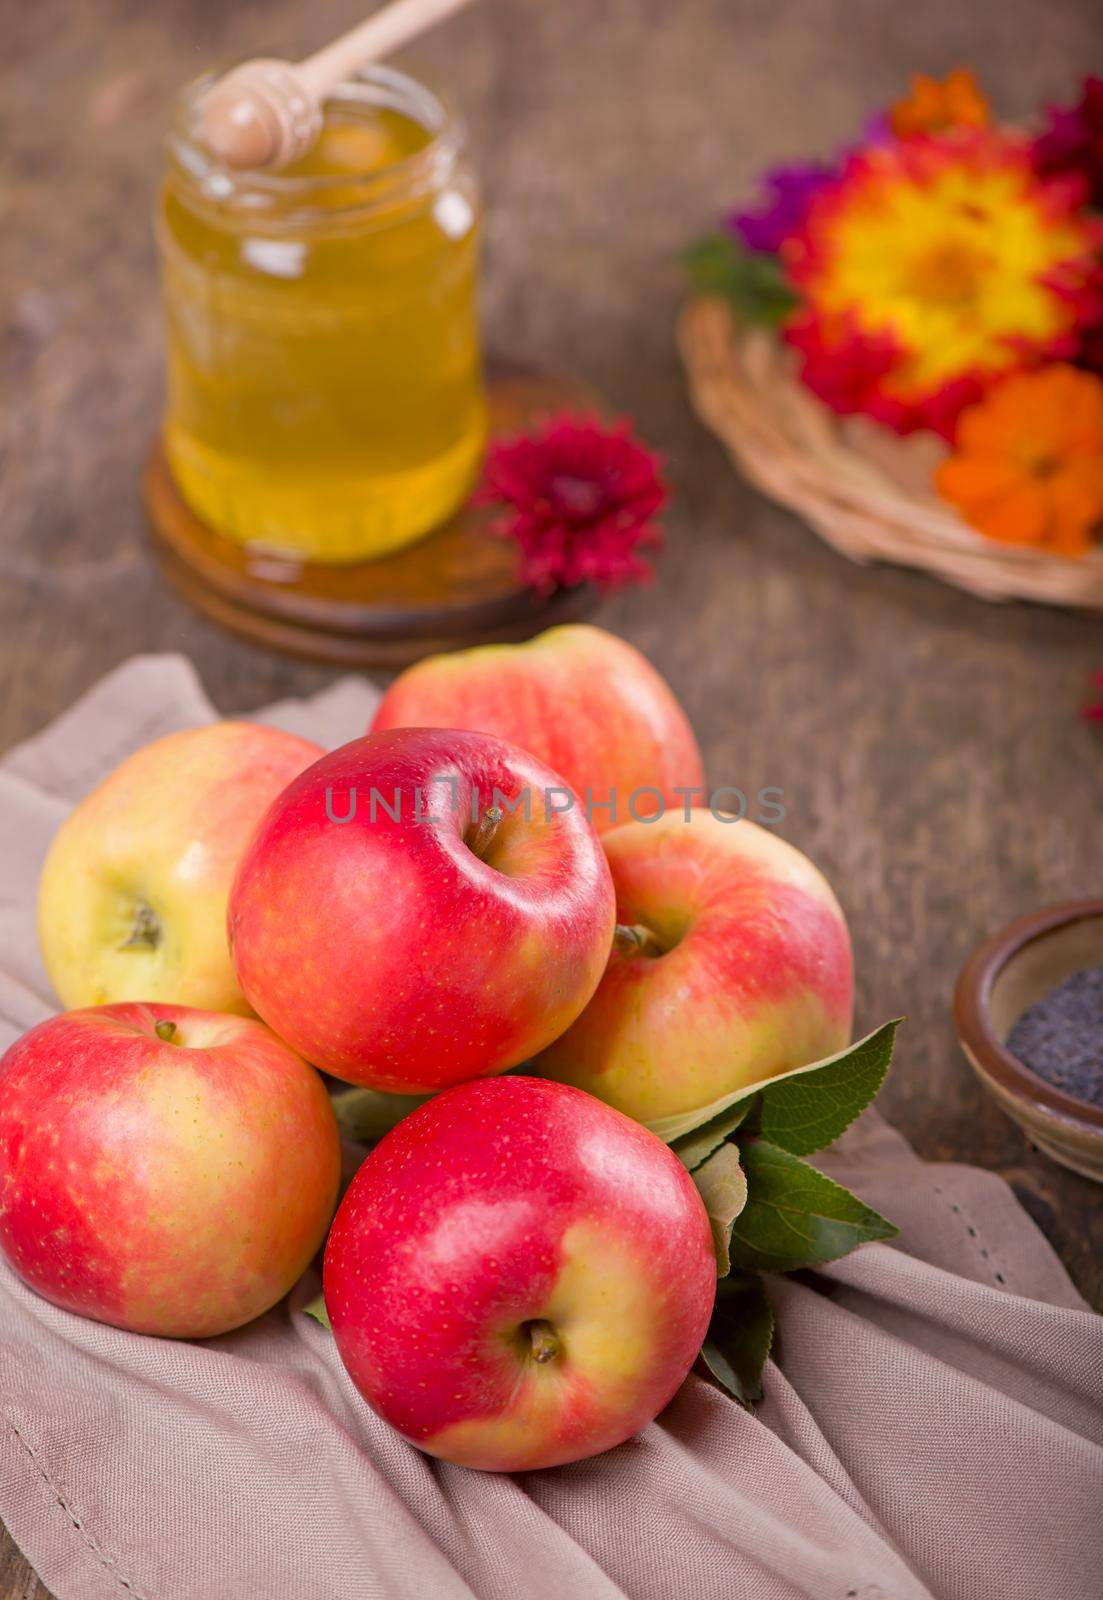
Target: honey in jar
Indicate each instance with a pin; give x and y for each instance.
(325, 397)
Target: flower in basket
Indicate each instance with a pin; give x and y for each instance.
(787, 194)
(1072, 144)
(1089, 353)
(955, 101)
(947, 258)
(1028, 465)
(581, 500)
(920, 272)
(788, 191)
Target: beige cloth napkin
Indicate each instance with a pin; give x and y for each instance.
(933, 1425)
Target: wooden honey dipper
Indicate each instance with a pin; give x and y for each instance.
(267, 114)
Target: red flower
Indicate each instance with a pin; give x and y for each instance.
(1094, 709)
(581, 501)
(845, 367)
(1089, 350)
(1072, 145)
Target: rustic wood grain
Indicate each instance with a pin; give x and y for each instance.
(927, 743)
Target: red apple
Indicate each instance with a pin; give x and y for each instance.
(162, 1169)
(519, 1276)
(580, 699)
(398, 943)
(739, 968)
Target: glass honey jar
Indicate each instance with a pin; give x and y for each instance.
(325, 397)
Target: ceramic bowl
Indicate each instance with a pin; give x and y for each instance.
(1008, 973)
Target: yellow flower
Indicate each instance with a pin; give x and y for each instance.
(951, 251)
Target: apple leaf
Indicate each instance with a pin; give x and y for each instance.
(695, 1147)
(723, 1188)
(740, 1335)
(367, 1114)
(807, 1109)
(853, 1076)
(796, 1216)
(316, 1308)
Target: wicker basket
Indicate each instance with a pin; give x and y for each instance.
(864, 490)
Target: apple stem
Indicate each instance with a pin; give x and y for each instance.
(544, 1341)
(146, 932)
(482, 836)
(633, 939)
(165, 1030)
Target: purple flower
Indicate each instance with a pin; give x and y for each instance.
(788, 192)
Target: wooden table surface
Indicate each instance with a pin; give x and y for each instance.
(928, 744)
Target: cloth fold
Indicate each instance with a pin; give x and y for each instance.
(932, 1427)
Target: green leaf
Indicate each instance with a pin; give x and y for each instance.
(367, 1114)
(723, 1188)
(695, 1147)
(807, 1109)
(861, 1059)
(752, 282)
(795, 1216)
(673, 1129)
(740, 1335)
(316, 1308)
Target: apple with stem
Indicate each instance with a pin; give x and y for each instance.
(732, 963)
(421, 907)
(132, 898)
(166, 1170)
(519, 1276)
(579, 699)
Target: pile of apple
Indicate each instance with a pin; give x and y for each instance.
(518, 867)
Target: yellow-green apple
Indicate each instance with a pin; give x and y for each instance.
(166, 1170)
(132, 900)
(420, 907)
(519, 1276)
(732, 963)
(578, 698)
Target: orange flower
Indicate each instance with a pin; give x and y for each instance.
(932, 107)
(1029, 462)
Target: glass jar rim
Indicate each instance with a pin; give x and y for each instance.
(422, 171)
